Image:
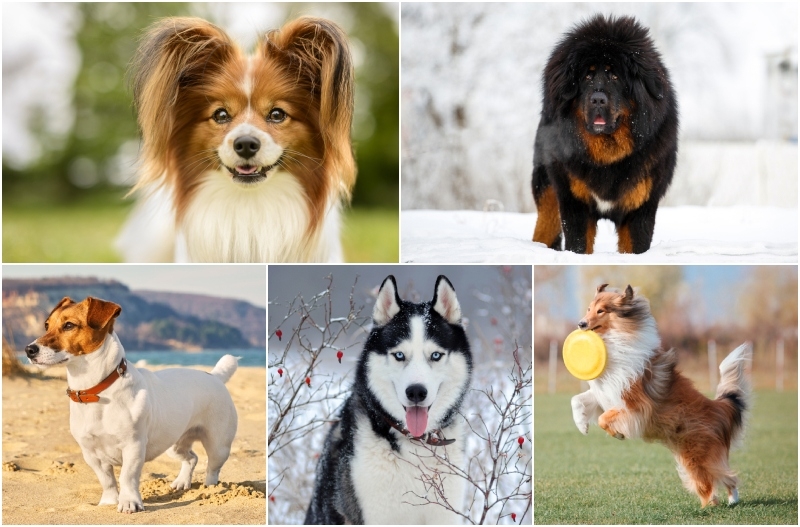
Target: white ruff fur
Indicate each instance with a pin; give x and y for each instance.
(388, 482)
(627, 357)
(265, 222)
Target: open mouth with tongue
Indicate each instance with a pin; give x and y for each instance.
(251, 173)
(599, 123)
(417, 420)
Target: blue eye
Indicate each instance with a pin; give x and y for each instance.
(399, 356)
(435, 356)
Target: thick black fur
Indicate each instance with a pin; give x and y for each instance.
(334, 501)
(604, 82)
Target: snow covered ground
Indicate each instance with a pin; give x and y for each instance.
(739, 234)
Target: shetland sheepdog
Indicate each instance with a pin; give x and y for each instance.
(641, 394)
(244, 158)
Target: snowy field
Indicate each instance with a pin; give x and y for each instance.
(739, 234)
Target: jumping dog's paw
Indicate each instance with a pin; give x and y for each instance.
(606, 422)
(579, 416)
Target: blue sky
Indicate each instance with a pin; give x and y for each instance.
(243, 282)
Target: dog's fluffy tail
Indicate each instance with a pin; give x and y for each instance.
(226, 367)
(734, 388)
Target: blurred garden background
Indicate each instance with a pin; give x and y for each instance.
(70, 140)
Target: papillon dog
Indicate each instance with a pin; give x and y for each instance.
(244, 158)
(641, 394)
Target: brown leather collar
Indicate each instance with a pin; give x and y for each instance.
(433, 438)
(91, 395)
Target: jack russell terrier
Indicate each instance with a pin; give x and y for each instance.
(123, 416)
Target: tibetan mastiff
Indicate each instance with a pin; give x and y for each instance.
(607, 139)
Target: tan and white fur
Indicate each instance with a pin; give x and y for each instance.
(142, 414)
(244, 158)
(641, 394)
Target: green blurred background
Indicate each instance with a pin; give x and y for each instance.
(70, 138)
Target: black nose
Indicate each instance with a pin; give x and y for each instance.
(416, 393)
(599, 99)
(31, 350)
(246, 146)
(583, 324)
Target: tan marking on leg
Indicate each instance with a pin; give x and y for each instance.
(624, 241)
(548, 219)
(591, 232)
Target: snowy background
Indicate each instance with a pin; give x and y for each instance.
(471, 98)
(496, 305)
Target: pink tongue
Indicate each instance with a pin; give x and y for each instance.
(599, 120)
(247, 170)
(417, 420)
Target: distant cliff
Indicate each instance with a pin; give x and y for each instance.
(149, 320)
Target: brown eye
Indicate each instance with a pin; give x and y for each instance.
(221, 116)
(613, 77)
(600, 311)
(68, 326)
(277, 115)
(46, 326)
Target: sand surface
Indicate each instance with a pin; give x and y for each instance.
(46, 480)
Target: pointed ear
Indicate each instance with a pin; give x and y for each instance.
(388, 303)
(101, 312)
(601, 288)
(319, 47)
(445, 302)
(628, 293)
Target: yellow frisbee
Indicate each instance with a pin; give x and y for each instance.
(584, 354)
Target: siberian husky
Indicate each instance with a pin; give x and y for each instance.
(411, 379)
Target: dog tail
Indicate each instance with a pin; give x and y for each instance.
(226, 367)
(734, 388)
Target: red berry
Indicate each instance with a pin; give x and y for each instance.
(272, 499)
(520, 440)
(308, 381)
(514, 516)
(339, 355)
(280, 372)
(493, 321)
(279, 333)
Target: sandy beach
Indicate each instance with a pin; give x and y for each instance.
(46, 480)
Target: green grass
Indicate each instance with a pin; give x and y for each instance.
(597, 479)
(371, 235)
(85, 232)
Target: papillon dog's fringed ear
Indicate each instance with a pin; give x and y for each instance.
(174, 53)
(320, 47)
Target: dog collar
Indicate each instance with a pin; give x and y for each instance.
(433, 438)
(91, 395)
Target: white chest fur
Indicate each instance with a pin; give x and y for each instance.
(627, 357)
(266, 222)
(388, 483)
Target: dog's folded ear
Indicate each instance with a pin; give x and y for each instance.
(387, 305)
(64, 302)
(321, 55)
(445, 302)
(101, 312)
